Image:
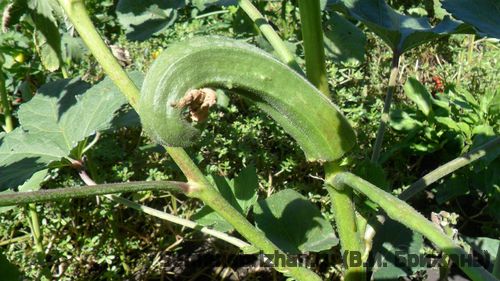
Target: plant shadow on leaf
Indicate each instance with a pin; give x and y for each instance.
(391, 249)
(65, 91)
(344, 42)
(293, 223)
(143, 19)
(17, 173)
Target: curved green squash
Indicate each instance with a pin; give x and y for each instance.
(309, 117)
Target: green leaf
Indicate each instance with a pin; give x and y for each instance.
(240, 192)
(400, 32)
(293, 223)
(48, 55)
(482, 14)
(486, 247)
(419, 95)
(59, 116)
(374, 173)
(400, 120)
(23, 154)
(245, 188)
(143, 19)
(449, 123)
(34, 183)
(490, 103)
(439, 12)
(344, 42)
(46, 36)
(394, 243)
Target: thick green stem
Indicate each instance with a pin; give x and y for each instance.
(76, 12)
(56, 194)
(9, 124)
(345, 219)
(377, 146)
(400, 211)
(312, 34)
(430, 178)
(267, 30)
(449, 168)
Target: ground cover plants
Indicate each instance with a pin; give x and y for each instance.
(140, 136)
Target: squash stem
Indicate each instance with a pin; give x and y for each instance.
(345, 219)
(312, 34)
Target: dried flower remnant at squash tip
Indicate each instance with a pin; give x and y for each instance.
(199, 102)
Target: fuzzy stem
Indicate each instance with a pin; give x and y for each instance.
(75, 9)
(449, 168)
(377, 146)
(271, 35)
(56, 194)
(400, 211)
(9, 124)
(345, 219)
(430, 178)
(76, 12)
(312, 34)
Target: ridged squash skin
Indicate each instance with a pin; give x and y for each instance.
(309, 117)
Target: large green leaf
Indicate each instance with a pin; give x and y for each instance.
(293, 223)
(484, 15)
(143, 19)
(240, 192)
(400, 32)
(59, 116)
(393, 244)
(344, 42)
(419, 95)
